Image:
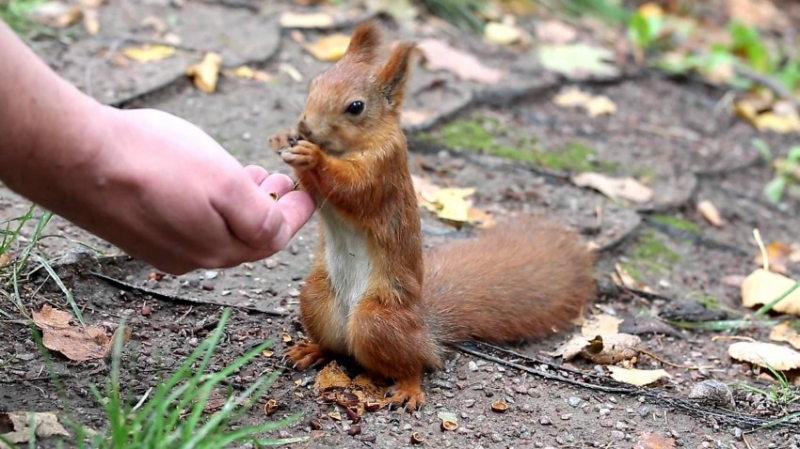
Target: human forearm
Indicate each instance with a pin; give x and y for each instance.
(52, 128)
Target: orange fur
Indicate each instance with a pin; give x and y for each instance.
(369, 294)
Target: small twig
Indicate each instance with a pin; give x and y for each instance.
(177, 298)
(768, 82)
(672, 364)
(143, 398)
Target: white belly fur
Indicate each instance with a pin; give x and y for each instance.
(348, 262)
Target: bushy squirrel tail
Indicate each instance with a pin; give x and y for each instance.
(519, 280)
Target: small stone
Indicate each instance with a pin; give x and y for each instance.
(713, 392)
(472, 366)
(620, 425)
(207, 285)
(497, 438)
(146, 310)
(194, 283)
(354, 430)
(566, 416)
(368, 438)
(246, 136)
(294, 249)
(604, 411)
(27, 357)
(270, 263)
(617, 435)
(293, 292)
(643, 411)
(545, 421)
(574, 401)
(211, 274)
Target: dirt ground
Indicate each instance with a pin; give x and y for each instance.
(672, 132)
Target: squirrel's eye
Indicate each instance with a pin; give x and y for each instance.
(355, 108)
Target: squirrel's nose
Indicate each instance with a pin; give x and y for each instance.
(303, 129)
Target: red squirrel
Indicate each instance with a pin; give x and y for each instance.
(372, 294)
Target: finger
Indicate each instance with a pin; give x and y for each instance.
(293, 210)
(277, 183)
(257, 173)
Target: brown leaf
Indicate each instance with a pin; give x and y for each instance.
(602, 324)
(649, 440)
(610, 349)
(779, 254)
(710, 213)
(765, 355)
(756, 13)
(332, 376)
(625, 188)
(45, 424)
(785, 332)
(441, 56)
(75, 343)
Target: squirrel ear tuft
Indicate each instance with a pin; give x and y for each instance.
(365, 43)
(393, 76)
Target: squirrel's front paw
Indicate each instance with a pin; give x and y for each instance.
(283, 141)
(303, 155)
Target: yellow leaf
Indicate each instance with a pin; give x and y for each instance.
(332, 376)
(206, 73)
(785, 122)
(765, 355)
(638, 377)
(651, 9)
(329, 48)
(500, 33)
(454, 205)
(762, 286)
(148, 52)
(594, 104)
(312, 20)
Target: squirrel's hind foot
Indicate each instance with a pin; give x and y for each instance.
(408, 392)
(305, 354)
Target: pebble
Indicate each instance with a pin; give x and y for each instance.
(545, 421)
(472, 366)
(194, 283)
(497, 438)
(146, 310)
(712, 391)
(617, 435)
(574, 401)
(566, 416)
(270, 263)
(207, 285)
(246, 136)
(211, 274)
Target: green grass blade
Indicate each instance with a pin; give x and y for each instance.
(64, 289)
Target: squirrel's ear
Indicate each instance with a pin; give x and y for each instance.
(365, 43)
(394, 74)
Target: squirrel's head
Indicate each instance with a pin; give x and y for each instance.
(357, 96)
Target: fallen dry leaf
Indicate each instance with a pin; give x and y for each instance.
(290, 70)
(75, 343)
(149, 52)
(441, 56)
(205, 73)
(555, 32)
(45, 424)
(503, 34)
(332, 376)
(755, 13)
(329, 48)
(710, 213)
(594, 104)
(604, 350)
(625, 188)
(638, 377)
(450, 204)
(778, 254)
(766, 355)
(649, 440)
(762, 287)
(55, 14)
(780, 120)
(246, 72)
(5, 258)
(311, 20)
(785, 332)
(91, 21)
(602, 324)
(577, 60)
(415, 116)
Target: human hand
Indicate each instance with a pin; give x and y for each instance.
(164, 191)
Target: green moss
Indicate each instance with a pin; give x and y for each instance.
(574, 155)
(677, 223)
(651, 249)
(635, 272)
